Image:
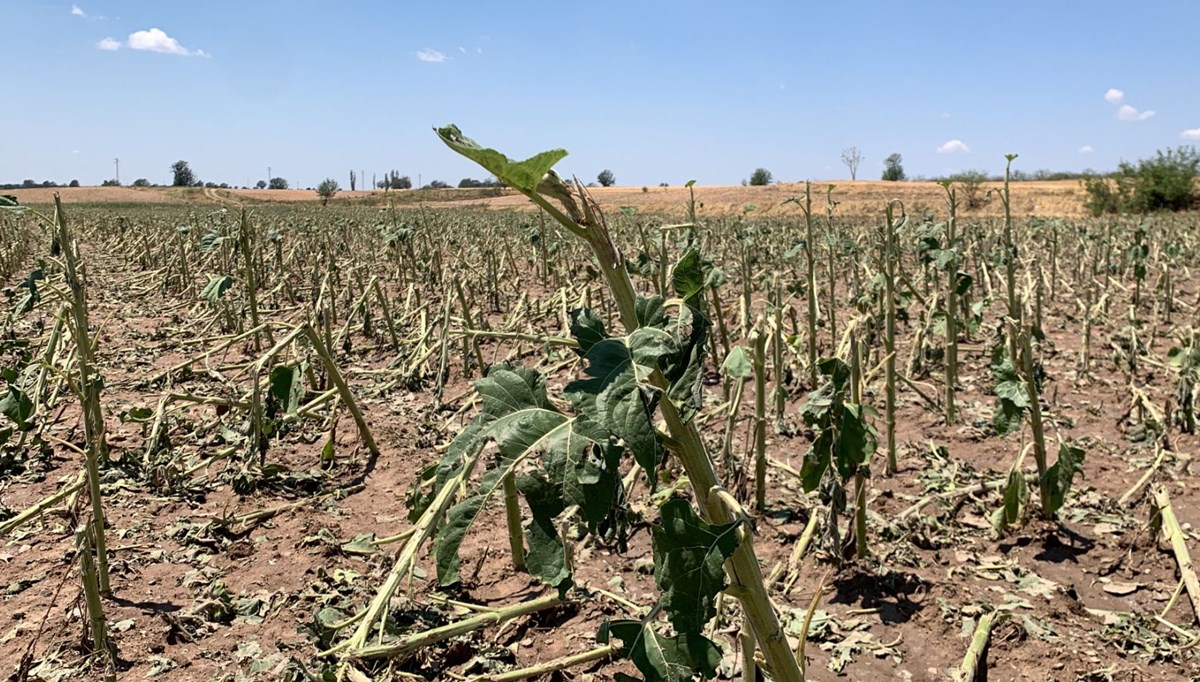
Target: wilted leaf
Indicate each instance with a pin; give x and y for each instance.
(17, 407)
(1061, 473)
(664, 659)
(523, 175)
(612, 395)
(689, 558)
(737, 364)
(216, 288)
(287, 387)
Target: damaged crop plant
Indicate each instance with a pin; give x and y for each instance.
(650, 369)
(378, 442)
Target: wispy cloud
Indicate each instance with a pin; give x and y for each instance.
(151, 40)
(1191, 134)
(77, 11)
(953, 147)
(156, 40)
(1127, 112)
(431, 56)
(1087, 149)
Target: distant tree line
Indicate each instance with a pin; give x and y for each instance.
(30, 184)
(471, 183)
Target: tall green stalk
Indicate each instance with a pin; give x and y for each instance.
(951, 304)
(89, 389)
(583, 219)
(831, 243)
(890, 257)
(1035, 414)
(758, 341)
(861, 548)
(1010, 252)
(810, 256)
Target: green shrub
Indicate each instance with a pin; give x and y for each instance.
(760, 177)
(970, 184)
(1166, 182)
(893, 168)
(1104, 195)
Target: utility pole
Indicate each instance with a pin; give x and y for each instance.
(268, 176)
(117, 162)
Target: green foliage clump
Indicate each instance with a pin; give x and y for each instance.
(970, 183)
(327, 189)
(182, 174)
(760, 177)
(1166, 182)
(893, 168)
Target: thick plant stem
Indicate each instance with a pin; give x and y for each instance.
(811, 294)
(777, 342)
(860, 513)
(422, 530)
(860, 474)
(746, 642)
(743, 570)
(343, 390)
(735, 404)
(9, 525)
(89, 392)
(406, 646)
(512, 514)
(974, 665)
(1174, 534)
(537, 671)
(1010, 255)
(758, 339)
(1035, 414)
(889, 310)
(951, 307)
(97, 623)
(831, 252)
(247, 247)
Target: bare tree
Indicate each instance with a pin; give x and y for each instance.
(852, 157)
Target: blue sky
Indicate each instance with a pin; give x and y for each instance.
(655, 91)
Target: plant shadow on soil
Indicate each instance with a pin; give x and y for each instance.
(890, 592)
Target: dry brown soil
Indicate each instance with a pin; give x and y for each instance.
(1066, 579)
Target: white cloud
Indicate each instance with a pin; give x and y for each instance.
(109, 44)
(462, 49)
(1087, 149)
(953, 147)
(156, 40)
(1130, 113)
(430, 55)
(1191, 134)
(1114, 96)
(77, 12)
